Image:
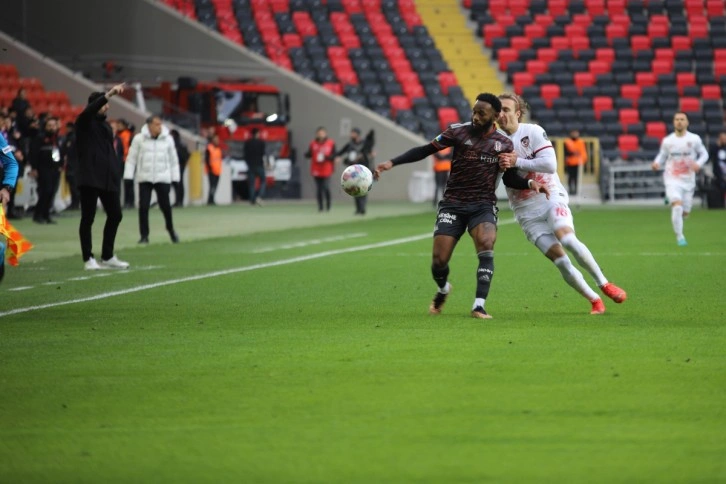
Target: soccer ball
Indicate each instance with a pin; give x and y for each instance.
(356, 180)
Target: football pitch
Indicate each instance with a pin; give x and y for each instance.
(277, 344)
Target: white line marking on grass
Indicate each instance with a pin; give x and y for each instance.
(264, 265)
(21, 288)
(305, 243)
(292, 260)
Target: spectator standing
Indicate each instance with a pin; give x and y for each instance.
(321, 153)
(575, 157)
(21, 104)
(254, 156)
(153, 160)
(99, 178)
(358, 151)
(45, 163)
(213, 166)
(124, 134)
(183, 154)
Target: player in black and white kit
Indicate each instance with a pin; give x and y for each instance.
(548, 223)
(469, 201)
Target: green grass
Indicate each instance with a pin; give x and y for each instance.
(330, 370)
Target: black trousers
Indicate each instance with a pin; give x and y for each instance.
(440, 178)
(573, 172)
(111, 202)
(322, 189)
(179, 187)
(162, 196)
(213, 182)
(129, 193)
(47, 185)
(360, 204)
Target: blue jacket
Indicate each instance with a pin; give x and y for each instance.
(10, 164)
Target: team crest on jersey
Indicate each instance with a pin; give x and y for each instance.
(525, 142)
(497, 146)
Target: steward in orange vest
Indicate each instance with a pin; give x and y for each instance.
(442, 167)
(213, 166)
(575, 155)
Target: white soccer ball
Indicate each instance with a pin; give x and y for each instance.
(356, 180)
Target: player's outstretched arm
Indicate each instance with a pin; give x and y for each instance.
(412, 155)
(385, 166)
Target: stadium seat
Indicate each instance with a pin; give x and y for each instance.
(690, 104)
(627, 143)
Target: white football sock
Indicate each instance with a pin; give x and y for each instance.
(445, 289)
(677, 220)
(584, 257)
(478, 303)
(574, 278)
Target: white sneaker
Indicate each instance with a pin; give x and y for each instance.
(91, 265)
(114, 263)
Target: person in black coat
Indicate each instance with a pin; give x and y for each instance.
(254, 155)
(45, 163)
(183, 154)
(99, 178)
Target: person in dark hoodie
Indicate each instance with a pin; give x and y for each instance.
(98, 178)
(45, 163)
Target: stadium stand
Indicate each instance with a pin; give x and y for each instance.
(627, 65)
(55, 103)
(380, 56)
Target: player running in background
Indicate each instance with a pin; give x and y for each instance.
(682, 154)
(548, 223)
(10, 177)
(469, 201)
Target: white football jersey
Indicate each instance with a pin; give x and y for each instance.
(677, 153)
(529, 140)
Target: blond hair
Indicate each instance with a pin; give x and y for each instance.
(521, 104)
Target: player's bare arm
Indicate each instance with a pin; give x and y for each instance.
(117, 89)
(507, 160)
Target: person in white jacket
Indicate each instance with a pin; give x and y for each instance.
(152, 158)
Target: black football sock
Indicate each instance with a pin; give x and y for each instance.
(441, 274)
(484, 273)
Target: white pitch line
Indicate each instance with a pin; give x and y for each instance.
(305, 243)
(225, 272)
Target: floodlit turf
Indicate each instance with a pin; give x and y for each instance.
(307, 355)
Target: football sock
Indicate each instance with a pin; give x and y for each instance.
(574, 278)
(584, 257)
(441, 274)
(484, 273)
(677, 220)
(479, 303)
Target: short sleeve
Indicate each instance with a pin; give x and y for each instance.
(447, 138)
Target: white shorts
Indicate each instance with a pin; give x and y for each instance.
(545, 218)
(679, 191)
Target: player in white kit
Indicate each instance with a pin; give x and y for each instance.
(682, 154)
(548, 224)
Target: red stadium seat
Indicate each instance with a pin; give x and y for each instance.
(599, 67)
(505, 56)
(628, 116)
(630, 91)
(549, 92)
(662, 66)
(657, 30)
(333, 87)
(605, 54)
(690, 104)
(684, 79)
(681, 42)
(615, 31)
(520, 80)
(601, 103)
(291, 40)
(520, 43)
(505, 20)
(628, 143)
(639, 42)
(447, 80)
(519, 7)
(557, 7)
(595, 7)
(543, 19)
(579, 43)
(715, 8)
(719, 55)
(616, 7)
(574, 30)
(535, 30)
(491, 32)
(536, 67)
(665, 53)
(560, 43)
(581, 19)
(698, 31)
(547, 54)
(711, 92)
(583, 79)
(656, 129)
(399, 102)
(645, 79)
(447, 116)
